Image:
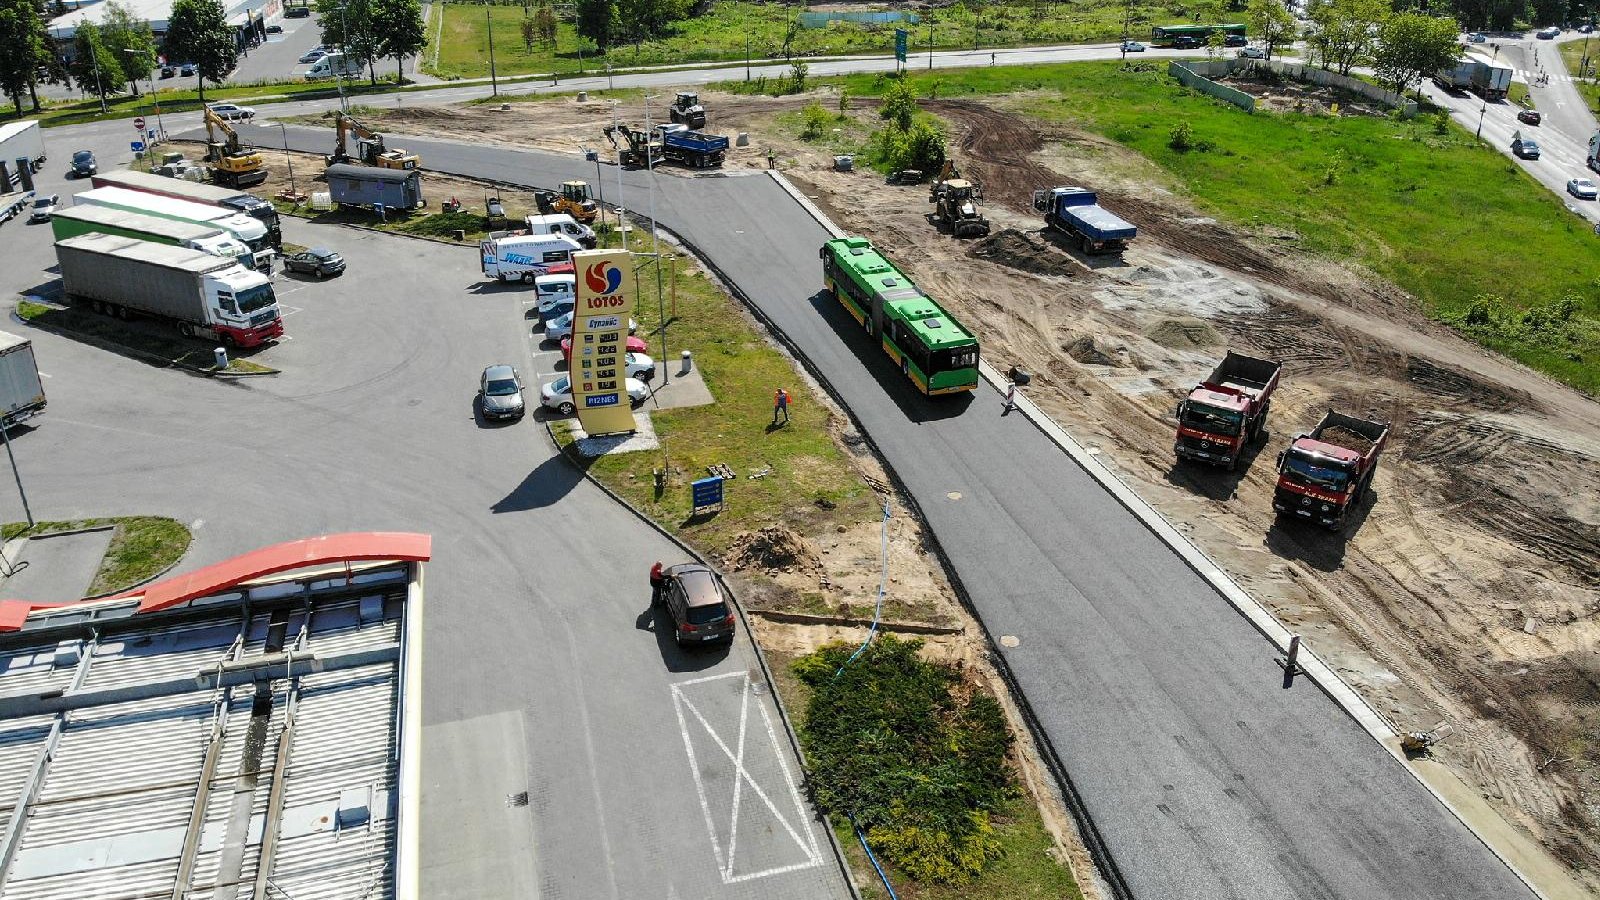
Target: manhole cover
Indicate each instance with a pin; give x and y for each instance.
(518, 799)
(1009, 640)
(954, 495)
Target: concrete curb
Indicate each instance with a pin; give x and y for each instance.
(5, 550)
(761, 657)
(1257, 615)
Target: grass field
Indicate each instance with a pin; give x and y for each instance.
(1572, 53)
(173, 100)
(141, 547)
(732, 30)
(1456, 224)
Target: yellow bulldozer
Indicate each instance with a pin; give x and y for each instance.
(231, 164)
(574, 200)
(955, 205)
(369, 147)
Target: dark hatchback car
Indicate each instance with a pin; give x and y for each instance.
(1185, 42)
(696, 601)
(297, 12)
(83, 164)
(1530, 117)
(318, 261)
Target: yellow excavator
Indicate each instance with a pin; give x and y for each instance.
(369, 147)
(954, 202)
(574, 200)
(231, 164)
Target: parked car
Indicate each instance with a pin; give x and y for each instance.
(83, 164)
(1585, 29)
(557, 395)
(1530, 116)
(318, 261)
(1583, 189)
(297, 12)
(44, 207)
(312, 55)
(232, 111)
(500, 393)
(696, 602)
(186, 70)
(635, 345)
(274, 29)
(1132, 47)
(168, 72)
(1253, 53)
(1477, 37)
(561, 326)
(1527, 148)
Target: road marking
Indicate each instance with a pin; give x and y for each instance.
(44, 374)
(725, 863)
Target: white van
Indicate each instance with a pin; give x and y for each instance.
(557, 294)
(561, 223)
(525, 256)
(333, 65)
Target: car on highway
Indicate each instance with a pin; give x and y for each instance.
(1477, 37)
(1526, 148)
(695, 600)
(231, 111)
(1132, 47)
(168, 72)
(500, 393)
(1530, 116)
(1585, 29)
(1548, 34)
(1234, 40)
(186, 70)
(557, 395)
(1252, 53)
(1185, 42)
(635, 345)
(561, 326)
(312, 55)
(1583, 188)
(318, 261)
(83, 164)
(44, 207)
(297, 12)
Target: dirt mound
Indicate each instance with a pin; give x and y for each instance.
(1027, 252)
(1183, 333)
(1087, 349)
(773, 547)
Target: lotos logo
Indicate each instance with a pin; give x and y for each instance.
(603, 278)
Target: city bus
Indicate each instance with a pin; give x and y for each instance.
(933, 350)
(1168, 35)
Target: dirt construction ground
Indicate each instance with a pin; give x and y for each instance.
(1467, 588)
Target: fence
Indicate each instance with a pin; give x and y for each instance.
(1198, 75)
(881, 17)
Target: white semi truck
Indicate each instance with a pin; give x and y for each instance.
(21, 391)
(204, 295)
(247, 229)
(76, 220)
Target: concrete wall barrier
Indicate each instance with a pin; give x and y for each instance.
(1198, 75)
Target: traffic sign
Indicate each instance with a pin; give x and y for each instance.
(707, 493)
(138, 123)
(138, 146)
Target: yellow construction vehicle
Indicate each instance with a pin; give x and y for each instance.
(231, 164)
(954, 203)
(369, 147)
(574, 200)
(635, 149)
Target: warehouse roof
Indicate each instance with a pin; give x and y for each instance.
(242, 731)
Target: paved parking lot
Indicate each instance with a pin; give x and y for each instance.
(645, 771)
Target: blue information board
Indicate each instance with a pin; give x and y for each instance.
(900, 35)
(707, 492)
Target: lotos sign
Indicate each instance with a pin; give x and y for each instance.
(599, 376)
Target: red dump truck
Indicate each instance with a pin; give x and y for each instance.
(1227, 411)
(1322, 475)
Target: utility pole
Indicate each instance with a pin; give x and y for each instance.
(99, 89)
(655, 240)
(599, 182)
(494, 82)
(6, 435)
(288, 158)
(344, 42)
(930, 43)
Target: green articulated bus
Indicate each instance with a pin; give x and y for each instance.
(1163, 35)
(931, 348)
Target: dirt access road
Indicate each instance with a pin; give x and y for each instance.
(1466, 590)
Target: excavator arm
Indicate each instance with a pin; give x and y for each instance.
(230, 144)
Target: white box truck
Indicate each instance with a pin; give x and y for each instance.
(206, 296)
(21, 391)
(526, 256)
(332, 66)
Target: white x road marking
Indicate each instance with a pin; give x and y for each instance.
(807, 842)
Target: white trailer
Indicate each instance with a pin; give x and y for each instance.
(21, 140)
(21, 391)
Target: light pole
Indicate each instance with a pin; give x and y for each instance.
(290, 159)
(338, 74)
(655, 240)
(99, 89)
(494, 82)
(161, 130)
(6, 435)
(599, 182)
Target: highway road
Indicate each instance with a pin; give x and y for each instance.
(544, 673)
(1202, 773)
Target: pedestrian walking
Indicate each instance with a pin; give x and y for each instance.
(780, 406)
(991, 59)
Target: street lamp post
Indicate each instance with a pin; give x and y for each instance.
(655, 240)
(599, 182)
(494, 81)
(161, 129)
(290, 159)
(338, 74)
(6, 435)
(99, 89)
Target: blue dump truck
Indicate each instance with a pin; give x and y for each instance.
(692, 148)
(1077, 213)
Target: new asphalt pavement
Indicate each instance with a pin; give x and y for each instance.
(1203, 774)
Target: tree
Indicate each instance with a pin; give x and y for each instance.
(1215, 42)
(400, 31)
(899, 105)
(595, 21)
(198, 31)
(530, 31)
(1346, 31)
(349, 25)
(544, 25)
(1412, 46)
(122, 33)
(1272, 24)
(95, 67)
(22, 48)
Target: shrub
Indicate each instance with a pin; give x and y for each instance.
(899, 105)
(797, 77)
(1181, 137)
(814, 121)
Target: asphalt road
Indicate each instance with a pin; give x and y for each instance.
(1204, 775)
(543, 671)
